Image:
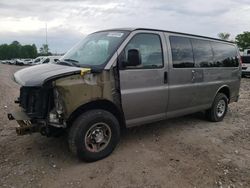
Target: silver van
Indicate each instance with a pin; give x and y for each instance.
(122, 78)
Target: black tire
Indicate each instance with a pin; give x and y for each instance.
(78, 134)
(213, 113)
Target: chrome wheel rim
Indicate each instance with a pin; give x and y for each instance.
(221, 107)
(98, 137)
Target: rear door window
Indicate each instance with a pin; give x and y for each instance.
(203, 54)
(182, 53)
(225, 55)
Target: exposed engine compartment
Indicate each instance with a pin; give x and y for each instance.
(36, 101)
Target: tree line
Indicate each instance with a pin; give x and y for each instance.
(16, 50)
(242, 40)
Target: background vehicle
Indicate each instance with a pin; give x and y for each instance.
(126, 77)
(27, 61)
(46, 59)
(11, 62)
(18, 62)
(50, 59)
(38, 60)
(246, 52)
(245, 65)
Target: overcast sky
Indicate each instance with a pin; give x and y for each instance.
(68, 21)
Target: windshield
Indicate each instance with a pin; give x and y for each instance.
(96, 49)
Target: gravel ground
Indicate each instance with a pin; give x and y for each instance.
(182, 152)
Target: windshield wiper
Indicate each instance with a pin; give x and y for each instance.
(73, 62)
(69, 62)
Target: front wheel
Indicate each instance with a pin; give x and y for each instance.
(219, 108)
(94, 135)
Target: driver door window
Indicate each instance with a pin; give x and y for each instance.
(150, 48)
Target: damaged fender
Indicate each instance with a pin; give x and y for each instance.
(77, 90)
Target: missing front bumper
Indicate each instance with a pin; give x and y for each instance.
(18, 115)
(25, 125)
(28, 125)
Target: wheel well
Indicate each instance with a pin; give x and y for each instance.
(99, 104)
(226, 91)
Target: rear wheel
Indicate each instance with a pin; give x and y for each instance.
(219, 108)
(94, 135)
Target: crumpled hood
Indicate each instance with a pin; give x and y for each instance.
(37, 75)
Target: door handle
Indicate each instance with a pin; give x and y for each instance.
(193, 76)
(165, 77)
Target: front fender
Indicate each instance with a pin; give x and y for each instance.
(78, 90)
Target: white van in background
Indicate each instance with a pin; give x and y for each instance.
(38, 60)
(45, 59)
(246, 52)
(245, 58)
(50, 59)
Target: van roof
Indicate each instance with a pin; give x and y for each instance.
(174, 32)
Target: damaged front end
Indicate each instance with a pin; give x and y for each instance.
(34, 103)
(47, 105)
(25, 125)
(39, 102)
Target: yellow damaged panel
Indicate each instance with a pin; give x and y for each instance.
(78, 90)
(85, 71)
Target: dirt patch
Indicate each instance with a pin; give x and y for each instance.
(182, 152)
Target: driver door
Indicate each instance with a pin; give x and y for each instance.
(144, 88)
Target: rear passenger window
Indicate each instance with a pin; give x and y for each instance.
(225, 55)
(182, 53)
(149, 46)
(203, 54)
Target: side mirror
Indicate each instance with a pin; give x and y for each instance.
(134, 58)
